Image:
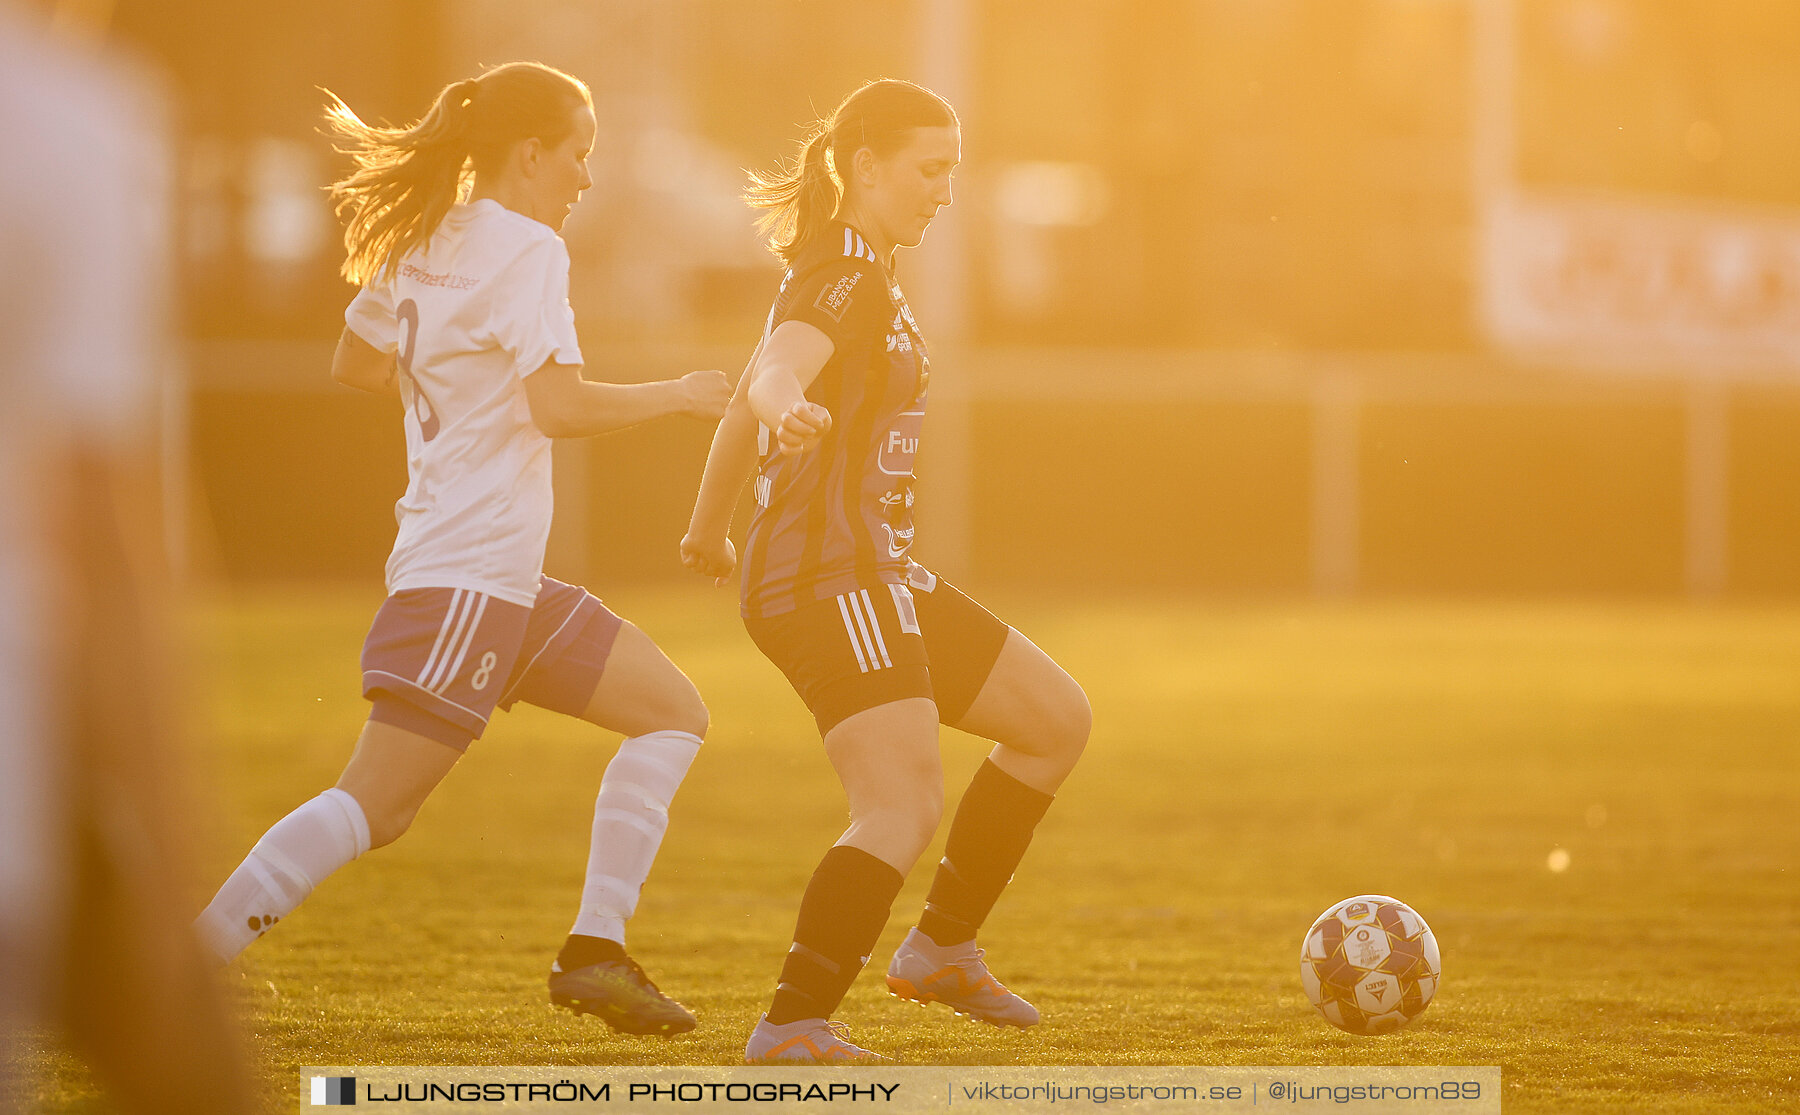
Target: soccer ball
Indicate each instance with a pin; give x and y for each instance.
(1370, 964)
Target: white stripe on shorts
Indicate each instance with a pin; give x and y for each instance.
(876, 624)
(456, 596)
(481, 599)
(855, 643)
(432, 682)
(861, 625)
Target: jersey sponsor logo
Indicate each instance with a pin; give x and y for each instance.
(900, 443)
(903, 332)
(834, 300)
(900, 498)
(899, 540)
(448, 279)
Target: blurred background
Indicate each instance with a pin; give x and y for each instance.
(1367, 297)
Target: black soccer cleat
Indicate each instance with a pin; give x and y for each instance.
(618, 993)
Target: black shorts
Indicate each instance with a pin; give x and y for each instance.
(882, 643)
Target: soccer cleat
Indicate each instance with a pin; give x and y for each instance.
(813, 1041)
(926, 972)
(619, 994)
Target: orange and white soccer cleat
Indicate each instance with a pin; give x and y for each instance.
(806, 1041)
(955, 975)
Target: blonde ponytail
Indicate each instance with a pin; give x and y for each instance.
(405, 180)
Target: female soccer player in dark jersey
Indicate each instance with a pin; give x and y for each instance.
(464, 315)
(880, 648)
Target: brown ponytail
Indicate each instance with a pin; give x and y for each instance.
(406, 179)
(800, 199)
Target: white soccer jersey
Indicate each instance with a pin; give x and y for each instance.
(481, 306)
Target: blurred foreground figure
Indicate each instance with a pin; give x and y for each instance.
(92, 948)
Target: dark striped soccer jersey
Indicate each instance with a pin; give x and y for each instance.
(840, 514)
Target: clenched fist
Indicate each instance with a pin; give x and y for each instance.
(705, 394)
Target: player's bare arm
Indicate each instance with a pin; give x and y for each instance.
(791, 359)
(706, 548)
(563, 404)
(361, 365)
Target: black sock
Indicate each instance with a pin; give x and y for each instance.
(992, 829)
(845, 906)
(580, 951)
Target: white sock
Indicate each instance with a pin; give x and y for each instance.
(630, 816)
(282, 869)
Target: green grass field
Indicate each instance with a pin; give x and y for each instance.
(1251, 764)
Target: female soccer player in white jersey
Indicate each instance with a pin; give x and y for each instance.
(452, 232)
(880, 649)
